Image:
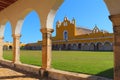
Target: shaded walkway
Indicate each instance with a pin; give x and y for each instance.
(9, 74)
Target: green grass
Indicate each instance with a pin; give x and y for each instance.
(96, 63)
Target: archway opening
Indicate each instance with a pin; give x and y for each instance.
(86, 21)
(92, 47)
(10, 47)
(8, 41)
(31, 40)
(99, 46)
(108, 46)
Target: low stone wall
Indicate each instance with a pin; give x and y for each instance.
(64, 75)
(50, 73)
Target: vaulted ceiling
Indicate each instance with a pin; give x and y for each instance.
(6, 3)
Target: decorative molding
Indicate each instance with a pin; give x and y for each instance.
(46, 30)
(17, 36)
(47, 35)
(83, 39)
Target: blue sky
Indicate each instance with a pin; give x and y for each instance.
(87, 13)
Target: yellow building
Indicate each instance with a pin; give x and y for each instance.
(70, 37)
(9, 45)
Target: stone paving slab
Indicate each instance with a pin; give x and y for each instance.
(9, 74)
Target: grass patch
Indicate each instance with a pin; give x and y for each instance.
(96, 63)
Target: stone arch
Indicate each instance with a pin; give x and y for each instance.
(75, 47)
(5, 47)
(99, 46)
(3, 35)
(92, 46)
(107, 46)
(113, 6)
(52, 13)
(85, 47)
(2, 28)
(20, 22)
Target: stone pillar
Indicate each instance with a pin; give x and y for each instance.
(1, 48)
(46, 48)
(116, 27)
(16, 48)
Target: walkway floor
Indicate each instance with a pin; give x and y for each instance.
(9, 74)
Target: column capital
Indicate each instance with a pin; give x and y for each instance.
(115, 19)
(46, 30)
(16, 35)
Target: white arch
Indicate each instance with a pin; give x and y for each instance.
(21, 21)
(52, 13)
(99, 42)
(19, 26)
(2, 29)
(113, 6)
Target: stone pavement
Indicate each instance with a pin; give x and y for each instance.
(9, 74)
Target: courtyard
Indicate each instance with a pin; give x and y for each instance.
(89, 62)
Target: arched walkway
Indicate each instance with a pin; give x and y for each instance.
(99, 46)
(75, 47)
(92, 47)
(108, 46)
(85, 47)
(47, 17)
(31, 24)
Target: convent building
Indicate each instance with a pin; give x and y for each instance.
(70, 37)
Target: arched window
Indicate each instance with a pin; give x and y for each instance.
(65, 35)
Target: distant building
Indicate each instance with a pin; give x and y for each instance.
(70, 37)
(9, 45)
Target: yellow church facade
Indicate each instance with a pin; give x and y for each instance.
(70, 37)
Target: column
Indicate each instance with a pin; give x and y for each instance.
(46, 47)
(16, 48)
(116, 27)
(1, 48)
